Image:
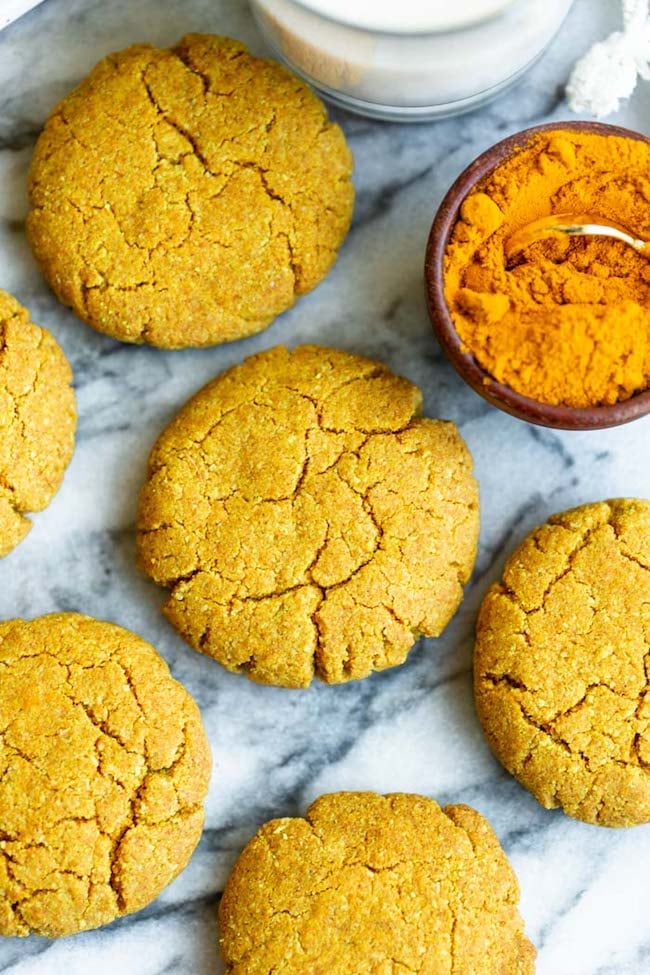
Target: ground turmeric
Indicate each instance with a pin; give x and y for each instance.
(569, 322)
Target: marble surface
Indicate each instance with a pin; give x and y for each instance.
(584, 889)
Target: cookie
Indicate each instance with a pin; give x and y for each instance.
(37, 420)
(104, 767)
(561, 663)
(367, 884)
(186, 197)
(306, 519)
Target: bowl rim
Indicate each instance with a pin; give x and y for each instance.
(498, 394)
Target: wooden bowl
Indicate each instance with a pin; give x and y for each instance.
(498, 394)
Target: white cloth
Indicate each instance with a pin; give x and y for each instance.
(609, 72)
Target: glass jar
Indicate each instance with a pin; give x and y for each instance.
(410, 60)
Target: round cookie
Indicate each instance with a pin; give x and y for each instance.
(186, 197)
(37, 420)
(367, 884)
(561, 663)
(306, 519)
(104, 766)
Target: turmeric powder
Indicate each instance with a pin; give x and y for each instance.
(569, 323)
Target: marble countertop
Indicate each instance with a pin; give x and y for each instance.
(584, 889)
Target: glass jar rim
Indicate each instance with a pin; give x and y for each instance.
(406, 16)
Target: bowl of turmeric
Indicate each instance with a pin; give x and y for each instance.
(558, 332)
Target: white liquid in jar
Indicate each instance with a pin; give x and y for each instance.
(408, 16)
(416, 74)
(11, 10)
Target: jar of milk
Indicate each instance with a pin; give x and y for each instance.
(410, 59)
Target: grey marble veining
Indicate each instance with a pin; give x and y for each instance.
(583, 888)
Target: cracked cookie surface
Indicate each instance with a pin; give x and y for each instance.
(307, 520)
(104, 767)
(562, 663)
(37, 420)
(372, 885)
(186, 197)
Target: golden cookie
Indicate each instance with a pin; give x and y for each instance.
(369, 884)
(307, 521)
(104, 767)
(561, 665)
(37, 420)
(185, 197)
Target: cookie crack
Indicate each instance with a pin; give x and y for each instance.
(581, 545)
(179, 52)
(181, 129)
(546, 727)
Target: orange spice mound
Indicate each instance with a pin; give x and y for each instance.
(569, 322)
